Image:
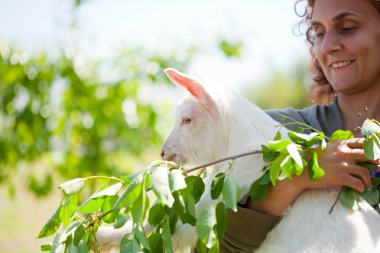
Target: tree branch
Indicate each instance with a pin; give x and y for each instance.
(224, 159)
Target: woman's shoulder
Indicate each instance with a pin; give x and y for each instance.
(325, 118)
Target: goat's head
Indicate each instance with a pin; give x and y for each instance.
(198, 135)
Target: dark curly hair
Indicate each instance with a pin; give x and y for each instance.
(320, 91)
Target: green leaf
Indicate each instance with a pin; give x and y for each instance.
(341, 135)
(260, 188)
(131, 193)
(190, 210)
(205, 226)
(79, 234)
(369, 127)
(178, 206)
(52, 225)
(371, 195)
(195, 187)
(217, 185)
(69, 246)
(231, 193)
(278, 146)
(121, 220)
(187, 213)
(127, 178)
(367, 165)
(287, 168)
(176, 180)
(156, 214)
(130, 245)
(59, 242)
(268, 154)
(307, 140)
(46, 247)
(231, 49)
(91, 206)
(221, 218)
(201, 247)
(140, 208)
(350, 198)
(172, 216)
(109, 191)
(141, 237)
(371, 147)
(82, 247)
(69, 208)
(278, 136)
(215, 248)
(94, 202)
(297, 170)
(160, 185)
(315, 172)
(73, 186)
(107, 205)
(155, 242)
(375, 182)
(275, 168)
(167, 238)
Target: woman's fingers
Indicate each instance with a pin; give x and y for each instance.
(353, 182)
(355, 143)
(359, 172)
(350, 148)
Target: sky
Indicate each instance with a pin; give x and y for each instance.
(106, 26)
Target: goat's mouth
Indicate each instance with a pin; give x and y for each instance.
(171, 157)
(174, 157)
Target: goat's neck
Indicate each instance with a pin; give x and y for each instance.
(250, 135)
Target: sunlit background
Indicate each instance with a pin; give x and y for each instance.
(82, 91)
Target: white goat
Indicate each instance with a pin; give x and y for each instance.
(213, 126)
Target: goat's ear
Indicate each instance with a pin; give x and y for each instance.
(191, 84)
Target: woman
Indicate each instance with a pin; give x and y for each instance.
(344, 38)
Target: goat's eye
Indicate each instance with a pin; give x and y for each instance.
(186, 120)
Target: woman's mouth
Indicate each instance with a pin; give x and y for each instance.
(341, 64)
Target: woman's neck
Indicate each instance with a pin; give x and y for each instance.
(356, 108)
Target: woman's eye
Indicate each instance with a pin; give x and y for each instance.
(348, 29)
(186, 121)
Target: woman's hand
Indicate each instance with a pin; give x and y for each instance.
(339, 161)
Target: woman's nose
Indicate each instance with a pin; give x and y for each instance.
(331, 43)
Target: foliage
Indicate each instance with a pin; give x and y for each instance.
(176, 194)
(78, 116)
(231, 49)
(61, 114)
(125, 198)
(286, 158)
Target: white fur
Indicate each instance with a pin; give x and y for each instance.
(231, 125)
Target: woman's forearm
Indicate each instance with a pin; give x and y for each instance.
(278, 198)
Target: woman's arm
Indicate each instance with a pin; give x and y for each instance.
(339, 161)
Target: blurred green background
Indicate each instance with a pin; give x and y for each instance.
(64, 116)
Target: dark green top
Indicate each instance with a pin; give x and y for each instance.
(247, 229)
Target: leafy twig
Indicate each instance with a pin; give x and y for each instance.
(295, 122)
(224, 159)
(336, 201)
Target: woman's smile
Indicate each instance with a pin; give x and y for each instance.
(341, 64)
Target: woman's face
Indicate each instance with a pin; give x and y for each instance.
(347, 43)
